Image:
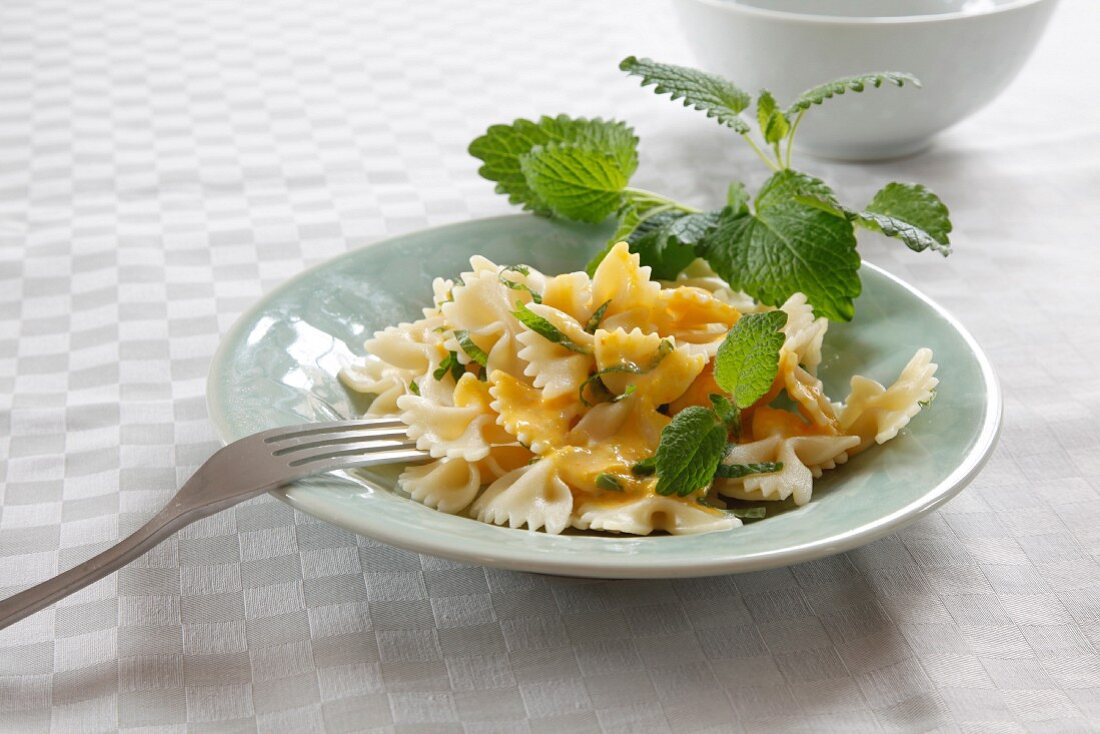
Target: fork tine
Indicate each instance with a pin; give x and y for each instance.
(363, 454)
(351, 462)
(317, 429)
(315, 440)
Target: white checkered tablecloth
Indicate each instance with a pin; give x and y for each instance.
(163, 164)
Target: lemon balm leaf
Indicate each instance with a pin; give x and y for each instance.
(788, 184)
(575, 182)
(717, 97)
(789, 247)
(691, 446)
(772, 120)
(666, 242)
(911, 213)
(501, 147)
(737, 198)
(857, 83)
(748, 359)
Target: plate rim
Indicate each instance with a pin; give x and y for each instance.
(613, 566)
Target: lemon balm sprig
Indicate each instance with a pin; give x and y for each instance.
(793, 236)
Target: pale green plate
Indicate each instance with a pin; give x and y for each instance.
(278, 366)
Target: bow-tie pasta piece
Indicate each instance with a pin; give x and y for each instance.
(374, 377)
(697, 320)
(804, 334)
(533, 495)
(482, 306)
(876, 414)
(570, 293)
(465, 430)
(809, 394)
(618, 423)
(645, 515)
(624, 285)
(408, 346)
(658, 370)
(699, 274)
(527, 415)
(556, 370)
(447, 485)
(803, 459)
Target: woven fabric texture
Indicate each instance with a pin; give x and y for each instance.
(163, 164)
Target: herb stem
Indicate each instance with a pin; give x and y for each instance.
(790, 136)
(654, 196)
(770, 163)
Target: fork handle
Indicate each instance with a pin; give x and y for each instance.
(160, 527)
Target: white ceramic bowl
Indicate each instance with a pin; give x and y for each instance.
(964, 51)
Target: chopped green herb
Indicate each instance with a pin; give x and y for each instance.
(630, 390)
(516, 286)
(735, 471)
(597, 384)
(450, 364)
(930, 400)
(663, 350)
(473, 351)
(597, 317)
(645, 467)
(748, 513)
(608, 482)
(545, 329)
(414, 388)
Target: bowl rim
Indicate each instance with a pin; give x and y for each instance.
(735, 6)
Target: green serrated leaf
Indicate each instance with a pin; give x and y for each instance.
(772, 120)
(575, 182)
(788, 184)
(717, 97)
(725, 410)
(544, 328)
(691, 446)
(748, 359)
(913, 214)
(857, 83)
(501, 146)
(666, 241)
(736, 471)
(787, 247)
(737, 198)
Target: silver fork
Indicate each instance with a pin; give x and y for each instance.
(237, 472)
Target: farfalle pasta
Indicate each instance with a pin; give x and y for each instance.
(540, 399)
